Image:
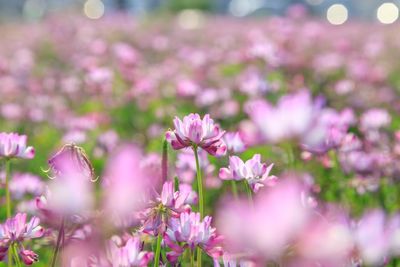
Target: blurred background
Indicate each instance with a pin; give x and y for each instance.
(335, 11)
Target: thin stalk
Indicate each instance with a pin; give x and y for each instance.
(199, 183)
(8, 197)
(60, 238)
(158, 251)
(191, 258)
(248, 192)
(8, 203)
(234, 189)
(164, 162)
(201, 199)
(16, 256)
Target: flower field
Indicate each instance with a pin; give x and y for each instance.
(233, 142)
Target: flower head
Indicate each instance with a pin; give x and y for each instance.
(169, 204)
(129, 255)
(13, 145)
(253, 171)
(194, 131)
(71, 159)
(16, 230)
(193, 232)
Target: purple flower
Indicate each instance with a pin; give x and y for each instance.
(234, 142)
(129, 255)
(15, 231)
(372, 120)
(13, 145)
(253, 171)
(72, 159)
(292, 117)
(191, 232)
(169, 204)
(28, 256)
(194, 131)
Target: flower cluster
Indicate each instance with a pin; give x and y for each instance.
(194, 131)
(13, 145)
(15, 231)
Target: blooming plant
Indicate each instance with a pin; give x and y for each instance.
(161, 144)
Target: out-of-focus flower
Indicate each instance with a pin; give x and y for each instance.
(333, 126)
(372, 237)
(192, 232)
(106, 142)
(70, 192)
(26, 183)
(292, 117)
(15, 231)
(326, 240)
(186, 87)
(268, 228)
(129, 255)
(252, 84)
(253, 171)
(71, 159)
(100, 80)
(126, 184)
(234, 142)
(374, 119)
(194, 131)
(13, 145)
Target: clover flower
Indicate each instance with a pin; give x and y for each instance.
(13, 145)
(169, 204)
(16, 230)
(194, 131)
(190, 232)
(129, 255)
(253, 171)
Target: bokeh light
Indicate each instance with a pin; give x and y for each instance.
(387, 13)
(94, 9)
(191, 19)
(337, 14)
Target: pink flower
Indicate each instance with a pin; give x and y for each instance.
(372, 237)
(194, 131)
(15, 231)
(234, 142)
(28, 256)
(253, 171)
(71, 159)
(191, 232)
(169, 204)
(374, 119)
(292, 117)
(13, 145)
(268, 227)
(129, 255)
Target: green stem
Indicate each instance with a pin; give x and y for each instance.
(60, 237)
(248, 191)
(158, 251)
(8, 178)
(234, 189)
(16, 256)
(199, 183)
(201, 199)
(8, 203)
(191, 258)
